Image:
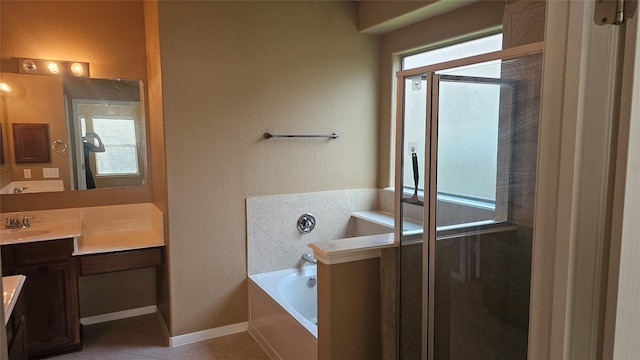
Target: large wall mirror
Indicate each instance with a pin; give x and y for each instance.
(96, 127)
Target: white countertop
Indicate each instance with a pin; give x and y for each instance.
(94, 230)
(11, 287)
(41, 231)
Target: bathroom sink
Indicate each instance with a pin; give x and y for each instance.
(40, 232)
(21, 234)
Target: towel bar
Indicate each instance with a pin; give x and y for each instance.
(269, 136)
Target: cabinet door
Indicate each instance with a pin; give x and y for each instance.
(18, 346)
(51, 300)
(31, 143)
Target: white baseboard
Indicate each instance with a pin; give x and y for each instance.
(90, 320)
(173, 341)
(208, 334)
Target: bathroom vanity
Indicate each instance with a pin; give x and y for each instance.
(50, 294)
(58, 247)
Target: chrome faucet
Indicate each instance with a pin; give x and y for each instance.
(309, 258)
(19, 190)
(17, 223)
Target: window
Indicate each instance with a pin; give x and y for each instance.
(472, 102)
(119, 138)
(452, 52)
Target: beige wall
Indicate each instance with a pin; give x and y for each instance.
(349, 311)
(107, 34)
(383, 16)
(157, 167)
(374, 16)
(475, 19)
(232, 71)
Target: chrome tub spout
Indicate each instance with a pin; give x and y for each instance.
(309, 258)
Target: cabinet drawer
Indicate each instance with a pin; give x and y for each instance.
(40, 252)
(121, 260)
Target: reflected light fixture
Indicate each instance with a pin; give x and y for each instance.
(77, 69)
(29, 66)
(53, 67)
(4, 87)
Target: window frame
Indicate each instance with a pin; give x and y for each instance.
(401, 76)
(500, 204)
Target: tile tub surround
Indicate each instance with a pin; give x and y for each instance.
(273, 240)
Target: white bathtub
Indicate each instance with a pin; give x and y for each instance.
(283, 313)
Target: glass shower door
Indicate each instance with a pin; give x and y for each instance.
(465, 274)
(486, 120)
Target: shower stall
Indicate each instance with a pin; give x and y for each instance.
(466, 158)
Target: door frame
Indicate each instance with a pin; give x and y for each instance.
(577, 217)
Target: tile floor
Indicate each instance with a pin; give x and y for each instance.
(141, 338)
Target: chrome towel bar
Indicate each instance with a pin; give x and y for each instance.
(270, 135)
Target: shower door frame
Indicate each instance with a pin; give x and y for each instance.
(431, 143)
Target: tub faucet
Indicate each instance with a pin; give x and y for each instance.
(309, 258)
(19, 190)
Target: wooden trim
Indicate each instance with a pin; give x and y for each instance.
(621, 316)
(120, 260)
(573, 193)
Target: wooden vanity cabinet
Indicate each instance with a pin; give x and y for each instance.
(50, 294)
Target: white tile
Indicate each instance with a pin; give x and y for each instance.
(366, 199)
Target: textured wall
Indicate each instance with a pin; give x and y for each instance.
(232, 71)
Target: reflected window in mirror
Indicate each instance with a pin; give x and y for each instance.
(121, 150)
(107, 127)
